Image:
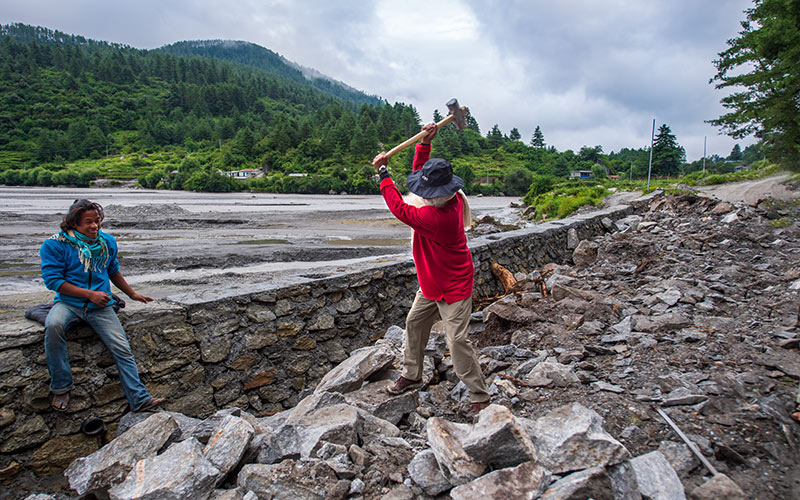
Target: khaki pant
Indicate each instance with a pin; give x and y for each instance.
(420, 319)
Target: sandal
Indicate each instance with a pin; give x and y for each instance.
(59, 402)
(150, 404)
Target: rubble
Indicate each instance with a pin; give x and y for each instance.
(680, 310)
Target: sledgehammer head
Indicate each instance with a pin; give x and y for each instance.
(459, 114)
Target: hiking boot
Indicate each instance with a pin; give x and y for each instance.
(402, 385)
(476, 408)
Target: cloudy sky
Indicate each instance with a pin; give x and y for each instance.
(587, 72)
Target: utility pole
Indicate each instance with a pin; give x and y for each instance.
(650, 165)
(704, 154)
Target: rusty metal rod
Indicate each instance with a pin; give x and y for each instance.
(689, 443)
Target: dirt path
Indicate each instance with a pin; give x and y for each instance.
(749, 192)
(752, 191)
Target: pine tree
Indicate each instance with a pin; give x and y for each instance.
(537, 141)
(736, 153)
(761, 65)
(667, 154)
(495, 137)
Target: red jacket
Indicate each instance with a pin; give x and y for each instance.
(441, 256)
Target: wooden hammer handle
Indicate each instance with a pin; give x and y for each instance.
(446, 120)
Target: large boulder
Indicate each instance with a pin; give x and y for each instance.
(110, 464)
(593, 483)
(445, 438)
(498, 439)
(297, 480)
(351, 373)
(572, 438)
(180, 472)
(424, 471)
(228, 444)
(656, 477)
(524, 482)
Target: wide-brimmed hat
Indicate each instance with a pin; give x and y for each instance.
(434, 180)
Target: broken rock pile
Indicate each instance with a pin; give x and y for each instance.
(689, 306)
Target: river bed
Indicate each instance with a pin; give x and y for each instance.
(178, 241)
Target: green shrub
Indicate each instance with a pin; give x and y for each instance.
(714, 179)
(517, 180)
(568, 205)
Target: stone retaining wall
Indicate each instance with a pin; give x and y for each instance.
(257, 349)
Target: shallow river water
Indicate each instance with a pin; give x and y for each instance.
(171, 241)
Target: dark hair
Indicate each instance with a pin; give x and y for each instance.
(76, 211)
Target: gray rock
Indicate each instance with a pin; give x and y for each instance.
(552, 373)
(335, 424)
(316, 420)
(498, 439)
(660, 323)
(110, 464)
(206, 428)
(679, 457)
(719, 486)
(572, 239)
(671, 296)
(571, 438)
(228, 444)
(356, 486)
(585, 254)
(683, 396)
(180, 472)
(617, 337)
(445, 439)
(234, 494)
(10, 360)
(342, 466)
(605, 386)
(593, 482)
(624, 327)
(401, 492)
(186, 425)
(526, 481)
(311, 479)
(508, 309)
(351, 373)
(656, 477)
(395, 334)
(623, 481)
(374, 399)
(424, 471)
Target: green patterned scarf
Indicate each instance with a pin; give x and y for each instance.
(93, 254)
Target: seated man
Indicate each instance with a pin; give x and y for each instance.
(78, 263)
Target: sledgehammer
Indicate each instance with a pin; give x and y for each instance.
(458, 115)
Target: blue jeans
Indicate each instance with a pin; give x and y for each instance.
(106, 324)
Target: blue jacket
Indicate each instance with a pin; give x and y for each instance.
(60, 263)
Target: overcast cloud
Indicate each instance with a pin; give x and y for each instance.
(587, 72)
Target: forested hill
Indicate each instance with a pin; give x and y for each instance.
(257, 56)
(75, 110)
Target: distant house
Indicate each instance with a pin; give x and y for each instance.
(298, 174)
(580, 174)
(244, 174)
